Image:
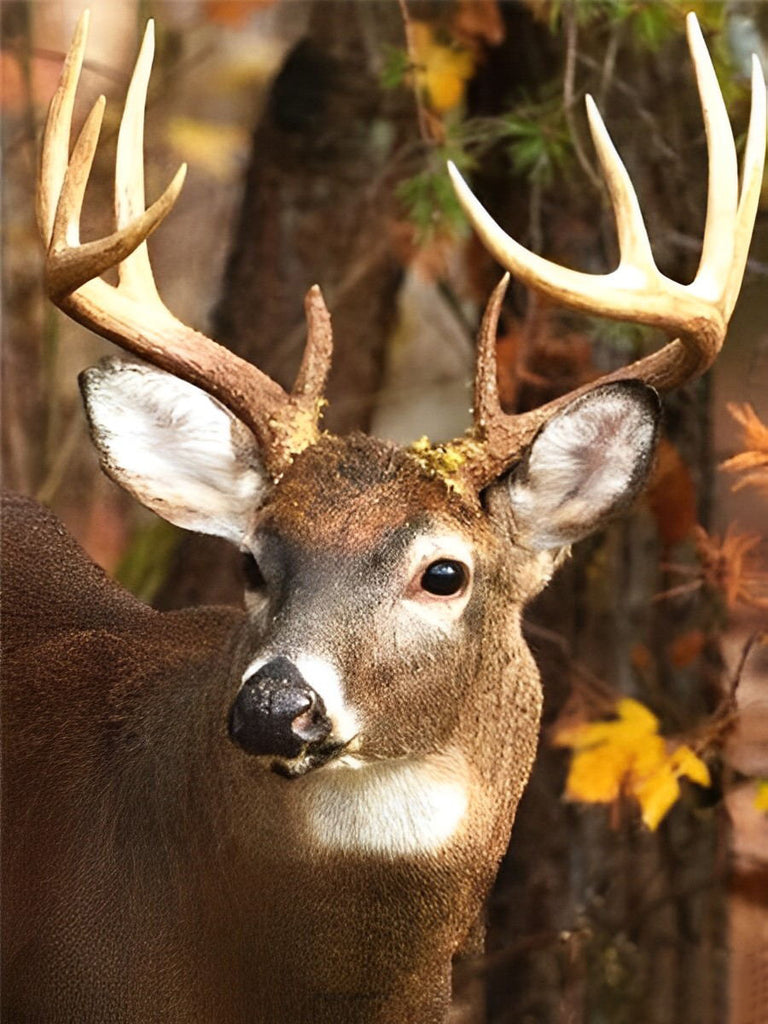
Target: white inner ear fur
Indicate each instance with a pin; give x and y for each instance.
(176, 449)
(587, 464)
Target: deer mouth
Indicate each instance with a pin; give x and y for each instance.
(312, 758)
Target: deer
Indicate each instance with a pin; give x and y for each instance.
(295, 811)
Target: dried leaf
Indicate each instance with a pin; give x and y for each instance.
(672, 495)
(729, 567)
(628, 756)
(479, 21)
(686, 648)
(233, 13)
(755, 454)
(509, 347)
(640, 656)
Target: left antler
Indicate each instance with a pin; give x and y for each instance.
(132, 313)
(696, 315)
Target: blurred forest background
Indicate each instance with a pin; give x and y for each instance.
(317, 133)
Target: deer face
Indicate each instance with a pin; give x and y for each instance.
(370, 566)
(383, 601)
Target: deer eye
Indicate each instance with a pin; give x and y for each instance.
(444, 578)
(254, 578)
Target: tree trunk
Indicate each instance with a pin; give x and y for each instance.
(316, 209)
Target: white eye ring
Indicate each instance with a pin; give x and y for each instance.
(439, 609)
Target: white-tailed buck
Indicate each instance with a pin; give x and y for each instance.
(294, 814)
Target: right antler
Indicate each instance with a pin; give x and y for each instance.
(696, 315)
(131, 313)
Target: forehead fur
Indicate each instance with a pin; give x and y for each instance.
(348, 491)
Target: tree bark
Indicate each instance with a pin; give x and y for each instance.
(316, 209)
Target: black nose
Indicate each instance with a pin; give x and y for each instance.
(277, 713)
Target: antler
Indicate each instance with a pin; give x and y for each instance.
(696, 315)
(131, 313)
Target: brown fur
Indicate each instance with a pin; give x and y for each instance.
(154, 870)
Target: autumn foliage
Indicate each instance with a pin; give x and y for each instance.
(626, 756)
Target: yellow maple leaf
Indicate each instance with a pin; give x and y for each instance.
(442, 69)
(627, 755)
(761, 796)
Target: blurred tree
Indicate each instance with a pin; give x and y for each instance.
(317, 207)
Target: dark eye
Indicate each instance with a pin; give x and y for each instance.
(254, 579)
(444, 578)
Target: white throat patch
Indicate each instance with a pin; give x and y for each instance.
(389, 808)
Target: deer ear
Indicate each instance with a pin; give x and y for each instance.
(176, 449)
(586, 465)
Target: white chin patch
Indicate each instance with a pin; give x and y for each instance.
(395, 808)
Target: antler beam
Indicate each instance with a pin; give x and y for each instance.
(696, 315)
(132, 313)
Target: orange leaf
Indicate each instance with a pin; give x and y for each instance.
(479, 20)
(672, 496)
(686, 648)
(755, 454)
(729, 566)
(233, 13)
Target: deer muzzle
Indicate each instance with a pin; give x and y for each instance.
(277, 714)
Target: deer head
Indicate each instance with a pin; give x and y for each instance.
(351, 537)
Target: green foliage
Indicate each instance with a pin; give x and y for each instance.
(396, 66)
(535, 133)
(144, 567)
(589, 12)
(428, 197)
(651, 22)
(540, 146)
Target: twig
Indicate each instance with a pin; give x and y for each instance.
(726, 715)
(425, 130)
(609, 62)
(746, 650)
(569, 77)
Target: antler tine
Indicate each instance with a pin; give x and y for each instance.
(316, 362)
(636, 290)
(63, 180)
(717, 250)
(132, 313)
(634, 244)
(486, 404)
(135, 272)
(54, 152)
